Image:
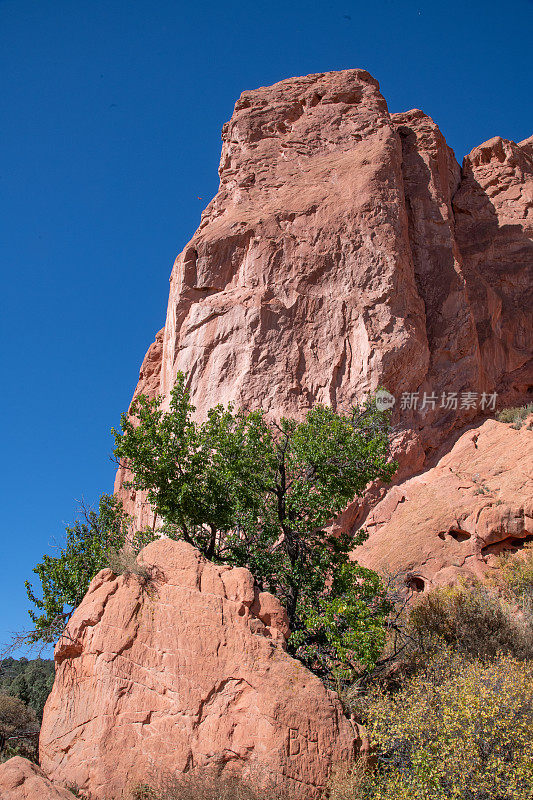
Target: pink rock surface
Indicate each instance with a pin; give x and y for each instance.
(346, 249)
(453, 519)
(20, 779)
(298, 283)
(189, 671)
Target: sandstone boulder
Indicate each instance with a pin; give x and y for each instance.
(453, 519)
(187, 671)
(20, 779)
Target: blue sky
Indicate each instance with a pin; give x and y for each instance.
(111, 116)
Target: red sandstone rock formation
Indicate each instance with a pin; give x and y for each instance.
(454, 518)
(186, 672)
(20, 779)
(346, 249)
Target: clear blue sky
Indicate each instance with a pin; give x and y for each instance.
(111, 117)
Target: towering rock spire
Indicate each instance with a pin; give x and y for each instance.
(346, 249)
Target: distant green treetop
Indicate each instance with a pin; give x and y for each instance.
(29, 680)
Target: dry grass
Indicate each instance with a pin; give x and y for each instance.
(515, 416)
(348, 782)
(124, 562)
(206, 785)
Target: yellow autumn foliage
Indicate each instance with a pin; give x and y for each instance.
(462, 729)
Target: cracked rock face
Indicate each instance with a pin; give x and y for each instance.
(346, 249)
(454, 519)
(187, 671)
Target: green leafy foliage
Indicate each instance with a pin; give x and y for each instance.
(65, 578)
(260, 495)
(28, 680)
(343, 629)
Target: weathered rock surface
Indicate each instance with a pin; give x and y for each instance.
(494, 222)
(453, 519)
(20, 779)
(185, 672)
(347, 249)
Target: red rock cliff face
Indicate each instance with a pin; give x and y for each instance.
(346, 249)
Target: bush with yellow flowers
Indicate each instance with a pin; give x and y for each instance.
(461, 729)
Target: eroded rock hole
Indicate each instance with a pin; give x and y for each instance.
(415, 583)
(315, 99)
(459, 535)
(510, 545)
(455, 533)
(521, 543)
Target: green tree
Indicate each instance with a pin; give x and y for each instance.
(260, 495)
(29, 680)
(65, 578)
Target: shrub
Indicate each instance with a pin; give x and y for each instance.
(15, 716)
(517, 416)
(459, 729)
(473, 620)
(514, 578)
